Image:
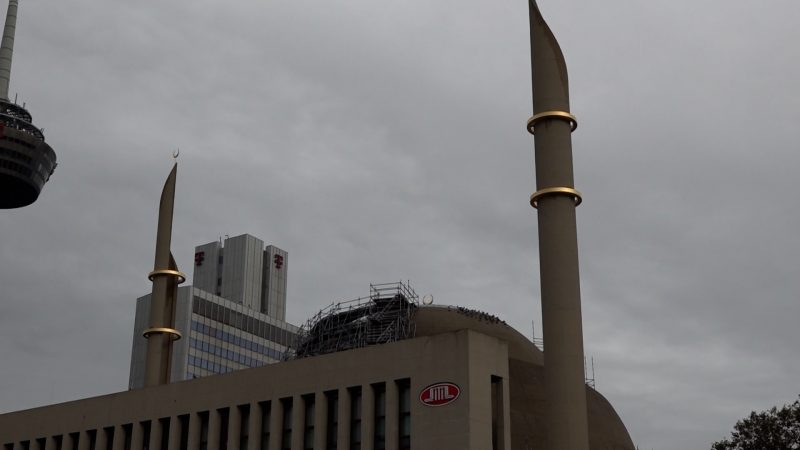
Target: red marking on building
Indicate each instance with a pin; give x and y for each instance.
(439, 394)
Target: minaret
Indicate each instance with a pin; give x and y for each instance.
(555, 200)
(26, 161)
(165, 277)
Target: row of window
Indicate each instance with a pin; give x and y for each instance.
(211, 366)
(214, 332)
(18, 141)
(227, 354)
(13, 154)
(15, 167)
(104, 438)
(243, 322)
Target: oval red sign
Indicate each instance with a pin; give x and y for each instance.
(439, 394)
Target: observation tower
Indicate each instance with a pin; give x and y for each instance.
(26, 161)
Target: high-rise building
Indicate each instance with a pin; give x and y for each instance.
(243, 271)
(231, 319)
(26, 161)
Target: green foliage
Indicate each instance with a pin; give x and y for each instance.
(775, 429)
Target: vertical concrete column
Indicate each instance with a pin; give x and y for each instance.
(156, 431)
(234, 427)
(174, 440)
(137, 436)
(119, 438)
(83, 440)
(213, 429)
(367, 417)
(254, 428)
(50, 443)
(298, 422)
(392, 415)
(101, 441)
(17, 445)
(320, 421)
(275, 424)
(344, 419)
(193, 441)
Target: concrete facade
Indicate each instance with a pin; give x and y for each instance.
(285, 405)
(367, 398)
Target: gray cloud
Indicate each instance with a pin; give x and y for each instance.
(384, 141)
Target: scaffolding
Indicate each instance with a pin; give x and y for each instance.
(386, 315)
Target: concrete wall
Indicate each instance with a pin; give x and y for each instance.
(215, 404)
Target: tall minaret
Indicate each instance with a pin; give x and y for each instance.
(165, 277)
(26, 161)
(555, 200)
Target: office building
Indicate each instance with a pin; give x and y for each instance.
(224, 316)
(241, 270)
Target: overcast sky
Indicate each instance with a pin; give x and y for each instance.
(379, 141)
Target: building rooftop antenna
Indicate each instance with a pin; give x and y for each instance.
(26, 161)
(7, 48)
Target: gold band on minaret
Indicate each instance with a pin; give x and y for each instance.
(173, 333)
(556, 191)
(167, 273)
(559, 115)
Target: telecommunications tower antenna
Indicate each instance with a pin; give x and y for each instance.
(26, 161)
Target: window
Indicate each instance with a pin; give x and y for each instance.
(244, 429)
(380, 416)
(224, 414)
(184, 424)
(128, 431)
(109, 438)
(355, 418)
(203, 431)
(497, 413)
(145, 435)
(265, 412)
(404, 416)
(286, 437)
(165, 424)
(308, 424)
(332, 419)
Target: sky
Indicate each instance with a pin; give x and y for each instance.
(386, 141)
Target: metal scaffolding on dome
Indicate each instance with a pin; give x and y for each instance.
(386, 315)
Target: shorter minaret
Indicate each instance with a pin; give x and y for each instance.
(165, 277)
(26, 161)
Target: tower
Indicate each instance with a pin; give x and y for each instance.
(26, 161)
(556, 200)
(242, 270)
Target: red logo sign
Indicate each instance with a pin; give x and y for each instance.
(278, 259)
(439, 394)
(199, 257)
